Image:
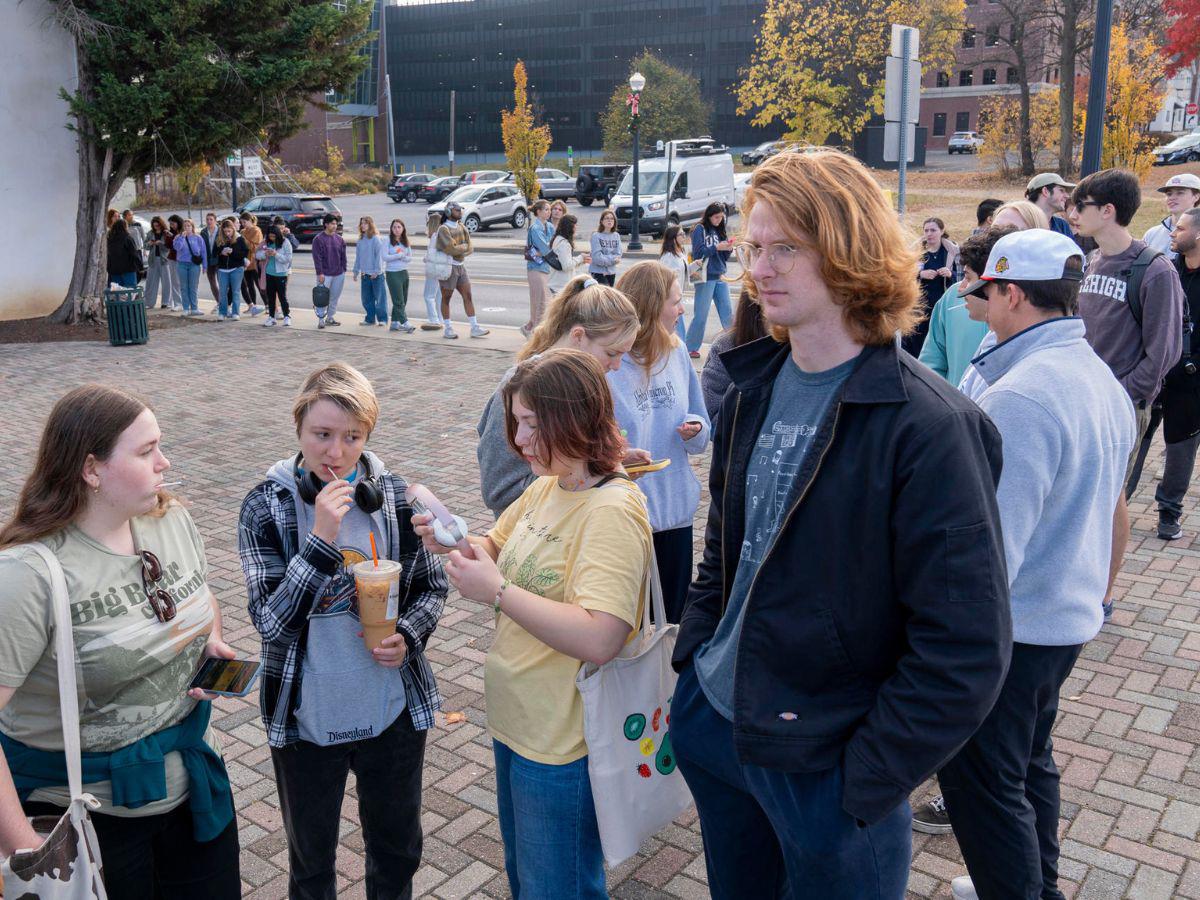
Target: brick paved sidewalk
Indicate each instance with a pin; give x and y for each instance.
(1126, 740)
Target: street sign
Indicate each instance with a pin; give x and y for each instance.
(252, 167)
(891, 141)
(914, 49)
(1192, 109)
(894, 67)
(234, 158)
(1191, 121)
(451, 156)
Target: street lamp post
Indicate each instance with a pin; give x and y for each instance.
(637, 81)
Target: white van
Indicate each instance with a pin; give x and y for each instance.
(696, 180)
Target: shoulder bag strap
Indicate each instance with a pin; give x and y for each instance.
(64, 647)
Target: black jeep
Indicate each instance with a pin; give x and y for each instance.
(598, 183)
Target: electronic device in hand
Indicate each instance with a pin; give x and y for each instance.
(449, 530)
(226, 677)
(656, 466)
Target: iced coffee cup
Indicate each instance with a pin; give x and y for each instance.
(378, 588)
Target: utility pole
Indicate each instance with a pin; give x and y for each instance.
(452, 132)
(1093, 130)
(391, 125)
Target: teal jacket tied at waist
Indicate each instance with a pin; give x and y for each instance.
(138, 773)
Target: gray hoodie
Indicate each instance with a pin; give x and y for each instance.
(503, 476)
(606, 247)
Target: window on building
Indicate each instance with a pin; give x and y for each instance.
(962, 121)
(943, 79)
(1012, 75)
(939, 124)
(989, 76)
(966, 78)
(992, 36)
(968, 37)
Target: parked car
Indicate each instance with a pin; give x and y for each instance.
(555, 183)
(964, 142)
(440, 188)
(598, 183)
(698, 178)
(407, 188)
(741, 181)
(483, 176)
(1182, 149)
(488, 204)
(302, 213)
(761, 152)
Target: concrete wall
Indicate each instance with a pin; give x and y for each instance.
(39, 174)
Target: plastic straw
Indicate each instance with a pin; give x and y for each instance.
(374, 554)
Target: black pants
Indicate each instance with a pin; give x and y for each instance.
(277, 291)
(1001, 788)
(1156, 416)
(610, 280)
(312, 783)
(157, 858)
(674, 551)
(250, 286)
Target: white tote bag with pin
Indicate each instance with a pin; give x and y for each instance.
(67, 865)
(636, 786)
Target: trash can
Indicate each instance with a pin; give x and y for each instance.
(125, 309)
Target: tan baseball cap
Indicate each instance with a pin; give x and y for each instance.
(1046, 179)
(1185, 180)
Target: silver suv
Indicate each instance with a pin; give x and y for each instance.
(964, 142)
(487, 204)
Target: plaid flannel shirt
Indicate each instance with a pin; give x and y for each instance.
(284, 581)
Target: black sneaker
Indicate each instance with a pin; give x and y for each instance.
(1169, 530)
(931, 817)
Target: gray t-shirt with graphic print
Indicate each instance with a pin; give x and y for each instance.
(799, 401)
(344, 694)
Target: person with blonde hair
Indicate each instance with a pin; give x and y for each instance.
(849, 625)
(437, 267)
(1021, 215)
(191, 259)
(369, 255)
(537, 270)
(143, 619)
(564, 570)
(329, 705)
(660, 404)
(585, 315)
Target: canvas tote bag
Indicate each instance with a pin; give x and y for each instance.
(636, 786)
(67, 865)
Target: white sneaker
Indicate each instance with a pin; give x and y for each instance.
(269, 322)
(287, 320)
(450, 335)
(478, 331)
(256, 310)
(321, 322)
(408, 328)
(235, 317)
(963, 888)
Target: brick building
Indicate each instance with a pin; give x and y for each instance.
(983, 66)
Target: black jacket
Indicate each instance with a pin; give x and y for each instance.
(877, 631)
(123, 256)
(234, 260)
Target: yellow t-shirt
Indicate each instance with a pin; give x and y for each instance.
(589, 548)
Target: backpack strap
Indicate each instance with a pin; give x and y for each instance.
(609, 477)
(1134, 276)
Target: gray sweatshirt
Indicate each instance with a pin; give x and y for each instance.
(503, 476)
(1068, 428)
(606, 247)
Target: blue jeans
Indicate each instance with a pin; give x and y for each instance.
(373, 291)
(229, 290)
(189, 283)
(706, 293)
(783, 832)
(125, 279)
(548, 824)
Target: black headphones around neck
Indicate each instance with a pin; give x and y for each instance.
(368, 494)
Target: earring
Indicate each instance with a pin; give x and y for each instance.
(96, 488)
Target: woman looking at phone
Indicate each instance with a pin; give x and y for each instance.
(143, 619)
(586, 316)
(331, 706)
(564, 569)
(660, 405)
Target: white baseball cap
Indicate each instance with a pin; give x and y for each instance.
(1185, 180)
(1034, 255)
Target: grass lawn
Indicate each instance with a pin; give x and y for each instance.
(953, 196)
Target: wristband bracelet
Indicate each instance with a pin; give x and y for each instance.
(499, 594)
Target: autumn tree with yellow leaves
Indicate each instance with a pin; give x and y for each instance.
(1135, 94)
(525, 142)
(817, 67)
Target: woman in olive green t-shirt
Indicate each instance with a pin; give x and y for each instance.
(142, 618)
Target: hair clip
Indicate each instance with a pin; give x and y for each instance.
(589, 283)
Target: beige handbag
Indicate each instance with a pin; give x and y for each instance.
(67, 865)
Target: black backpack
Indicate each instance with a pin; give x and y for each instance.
(1134, 276)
